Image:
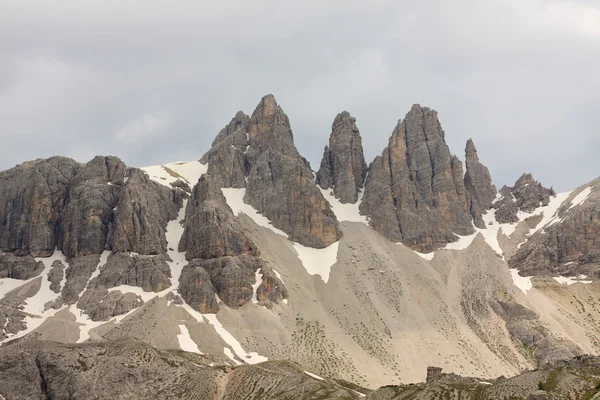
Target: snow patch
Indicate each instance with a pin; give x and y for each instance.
(250, 358)
(571, 280)
(235, 200)
(278, 275)
(344, 212)
(313, 375)
(258, 281)
(185, 341)
(425, 256)
(166, 174)
(581, 197)
(523, 283)
(318, 261)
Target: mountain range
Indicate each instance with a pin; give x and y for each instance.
(285, 281)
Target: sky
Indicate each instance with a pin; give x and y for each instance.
(154, 81)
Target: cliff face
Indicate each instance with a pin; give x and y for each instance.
(343, 167)
(258, 153)
(414, 193)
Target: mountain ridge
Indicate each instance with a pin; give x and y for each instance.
(367, 274)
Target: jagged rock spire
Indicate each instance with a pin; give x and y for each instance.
(414, 192)
(478, 182)
(259, 153)
(343, 166)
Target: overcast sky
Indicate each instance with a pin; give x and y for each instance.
(154, 81)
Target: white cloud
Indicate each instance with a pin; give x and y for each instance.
(147, 126)
(519, 76)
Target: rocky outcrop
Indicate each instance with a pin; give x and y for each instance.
(574, 378)
(32, 198)
(129, 368)
(150, 273)
(258, 153)
(83, 209)
(56, 275)
(526, 195)
(78, 274)
(142, 214)
(196, 288)
(227, 162)
(525, 327)
(478, 183)
(223, 260)
(413, 193)
(271, 289)
(210, 228)
(94, 192)
(343, 167)
(568, 246)
(23, 267)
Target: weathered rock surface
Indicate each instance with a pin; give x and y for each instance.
(343, 167)
(56, 275)
(141, 216)
(272, 289)
(526, 195)
(196, 288)
(216, 243)
(78, 274)
(227, 162)
(94, 192)
(570, 245)
(259, 153)
(210, 229)
(478, 183)
(412, 194)
(32, 198)
(23, 267)
(128, 368)
(150, 273)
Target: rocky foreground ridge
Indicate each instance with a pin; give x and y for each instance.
(128, 368)
(359, 272)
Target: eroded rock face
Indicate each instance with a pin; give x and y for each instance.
(343, 167)
(23, 267)
(526, 195)
(569, 246)
(142, 214)
(223, 260)
(227, 162)
(93, 194)
(413, 194)
(56, 275)
(196, 288)
(272, 289)
(282, 189)
(210, 228)
(258, 153)
(32, 198)
(150, 273)
(478, 183)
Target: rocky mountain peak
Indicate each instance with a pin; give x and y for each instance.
(414, 193)
(343, 166)
(526, 195)
(478, 183)
(258, 153)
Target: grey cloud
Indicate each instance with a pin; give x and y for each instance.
(519, 77)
